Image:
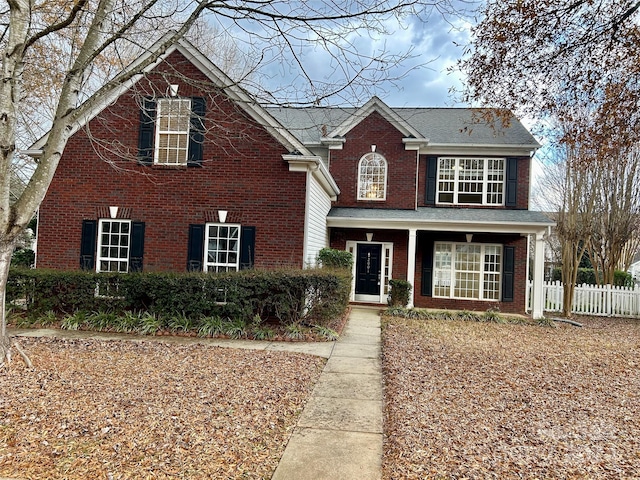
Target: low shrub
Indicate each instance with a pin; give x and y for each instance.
(492, 315)
(399, 293)
(329, 257)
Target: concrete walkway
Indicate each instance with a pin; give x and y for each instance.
(339, 434)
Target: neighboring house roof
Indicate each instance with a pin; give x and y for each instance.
(447, 219)
(439, 126)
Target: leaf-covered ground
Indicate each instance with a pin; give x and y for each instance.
(478, 400)
(125, 410)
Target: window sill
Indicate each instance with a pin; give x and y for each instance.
(161, 166)
(467, 298)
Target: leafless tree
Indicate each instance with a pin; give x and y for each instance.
(617, 212)
(571, 174)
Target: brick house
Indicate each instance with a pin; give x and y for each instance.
(179, 169)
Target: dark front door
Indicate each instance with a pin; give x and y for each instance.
(368, 269)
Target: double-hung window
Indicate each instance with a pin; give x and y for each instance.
(172, 132)
(222, 247)
(113, 245)
(467, 271)
(372, 177)
(471, 181)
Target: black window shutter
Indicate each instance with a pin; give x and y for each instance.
(247, 247)
(432, 171)
(88, 244)
(195, 249)
(508, 273)
(196, 131)
(146, 134)
(427, 269)
(511, 195)
(137, 247)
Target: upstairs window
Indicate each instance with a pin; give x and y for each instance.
(471, 181)
(172, 132)
(372, 177)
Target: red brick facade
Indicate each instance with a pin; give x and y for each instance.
(242, 172)
(401, 164)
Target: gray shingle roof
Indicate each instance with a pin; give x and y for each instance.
(439, 125)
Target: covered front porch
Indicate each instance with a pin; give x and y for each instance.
(471, 259)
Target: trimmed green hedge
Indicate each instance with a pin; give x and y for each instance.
(313, 296)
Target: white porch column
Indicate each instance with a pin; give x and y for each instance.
(411, 264)
(537, 302)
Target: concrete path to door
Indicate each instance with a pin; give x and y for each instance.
(339, 434)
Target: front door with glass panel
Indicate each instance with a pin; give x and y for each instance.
(368, 269)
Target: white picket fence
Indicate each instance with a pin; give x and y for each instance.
(605, 300)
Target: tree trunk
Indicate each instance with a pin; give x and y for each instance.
(6, 250)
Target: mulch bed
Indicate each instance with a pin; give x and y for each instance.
(129, 410)
(479, 400)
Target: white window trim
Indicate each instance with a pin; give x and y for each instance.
(206, 264)
(99, 257)
(485, 180)
(158, 132)
(482, 272)
(361, 194)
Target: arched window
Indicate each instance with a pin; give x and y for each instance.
(372, 177)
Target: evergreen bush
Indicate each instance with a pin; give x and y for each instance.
(399, 293)
(311, 296)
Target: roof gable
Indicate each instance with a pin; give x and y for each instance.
(99, 101)
(374, 105)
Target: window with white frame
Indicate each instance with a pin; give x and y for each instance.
(222, 247)
(471, 181)
(172, 132)
(467, 271)
(372, 177)
(113, 245)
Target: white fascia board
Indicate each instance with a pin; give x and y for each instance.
(449, 226)
(415, 144)
(306, 163)
(334, 143)
(518, 150)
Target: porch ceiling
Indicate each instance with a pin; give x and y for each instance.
(471, 220)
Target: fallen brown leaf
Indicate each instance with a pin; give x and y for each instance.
(127, 410)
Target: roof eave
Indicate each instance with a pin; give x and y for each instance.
(522, 228)
(524, 149)
(314, 164)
